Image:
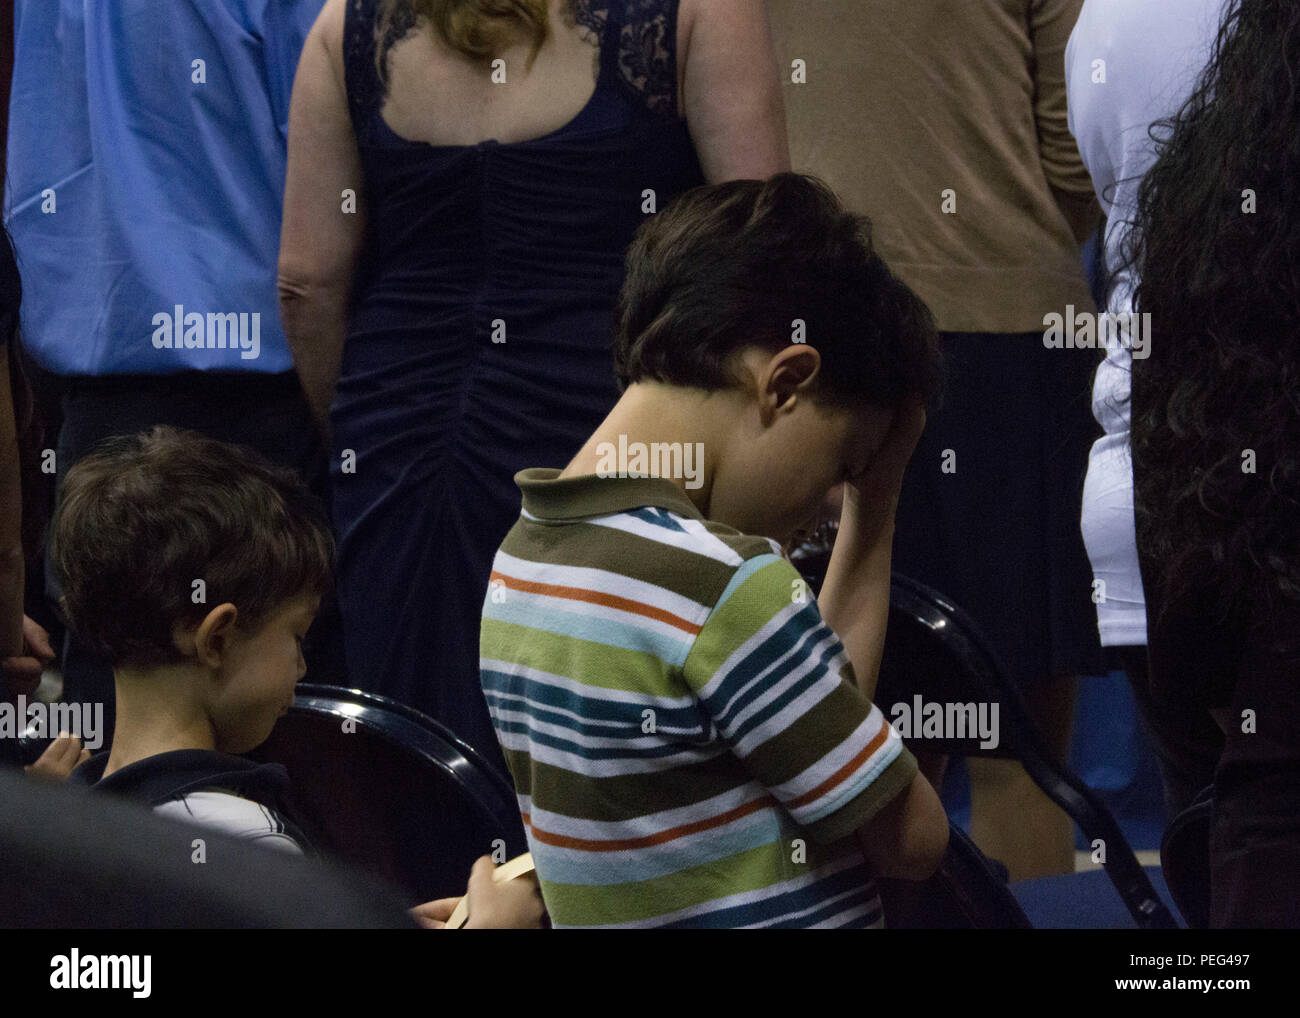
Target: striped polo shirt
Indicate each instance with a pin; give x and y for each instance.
(688, 744)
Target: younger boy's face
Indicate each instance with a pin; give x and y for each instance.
(779, 481)
(255, 685)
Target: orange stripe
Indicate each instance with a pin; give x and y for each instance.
(841, 774)
(595, 597)
(671, 834)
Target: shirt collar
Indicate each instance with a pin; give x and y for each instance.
(548, 496)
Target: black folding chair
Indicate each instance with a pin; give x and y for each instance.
(967, 892)
(391, 791)
(935, 649)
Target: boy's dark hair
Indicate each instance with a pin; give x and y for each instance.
(733, 265)
(144, 516)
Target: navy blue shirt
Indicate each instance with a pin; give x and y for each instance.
(147, 151)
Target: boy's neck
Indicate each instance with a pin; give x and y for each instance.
(157, 712)
(651, 412)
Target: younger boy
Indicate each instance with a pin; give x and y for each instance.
(197, 568)
(690, 742)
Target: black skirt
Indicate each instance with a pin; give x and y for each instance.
(990, 507)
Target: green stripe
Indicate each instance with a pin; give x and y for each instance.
(599, 665)
(631, 796)
(753, 870)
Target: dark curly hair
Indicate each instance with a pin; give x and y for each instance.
(1222, 286)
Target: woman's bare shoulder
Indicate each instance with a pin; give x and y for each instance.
(328, 31)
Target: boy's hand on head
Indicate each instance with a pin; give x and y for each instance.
(23, 673)
(877, 488)
(60, 758)
(514, 904)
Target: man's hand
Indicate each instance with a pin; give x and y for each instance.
(23, 673)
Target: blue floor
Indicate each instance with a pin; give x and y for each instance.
(1111, 755)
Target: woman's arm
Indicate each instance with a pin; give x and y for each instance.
(319, 240)
(731, 89)
(1050, 24)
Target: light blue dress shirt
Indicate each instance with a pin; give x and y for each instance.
(146, 162)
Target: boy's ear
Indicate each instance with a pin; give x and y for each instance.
(790, 373)
(209, 640)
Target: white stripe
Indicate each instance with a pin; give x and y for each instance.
(694, 538)
(749, 646)
(778, 680)
(651, 823)
(496, 607)
(605, 582)
(837, 758)
(817, 907)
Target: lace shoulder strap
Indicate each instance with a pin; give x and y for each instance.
(365, 87)
(647, 51)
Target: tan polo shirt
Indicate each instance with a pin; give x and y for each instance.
(944, 121)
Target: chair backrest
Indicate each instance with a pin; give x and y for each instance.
(935, 658)
(391, 791)
(967, 892)
(936, 654)
(77, 859)
(1185, 860)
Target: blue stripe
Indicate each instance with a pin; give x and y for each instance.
(657, 517)
(779, 905)
(532, 613)
(686, 718)
(793, 636)
(746, 569)
(587, 869)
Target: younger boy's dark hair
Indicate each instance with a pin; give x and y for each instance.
(144, 516)
(739, 264)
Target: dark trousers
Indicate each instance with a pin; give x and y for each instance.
(266, 412)
(1187, 747)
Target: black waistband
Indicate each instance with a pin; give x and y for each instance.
(245, 383)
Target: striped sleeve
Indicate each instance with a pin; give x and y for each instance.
(777, 684)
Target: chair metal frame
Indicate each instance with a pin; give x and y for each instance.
(422, 735)
(962, 640)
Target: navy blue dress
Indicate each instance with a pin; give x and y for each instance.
(479, 343)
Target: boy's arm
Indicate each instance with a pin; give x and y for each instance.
(854, 598)
(774, 679)
(908, 837)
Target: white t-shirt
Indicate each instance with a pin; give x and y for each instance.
(1128, 64)
(233, 815)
